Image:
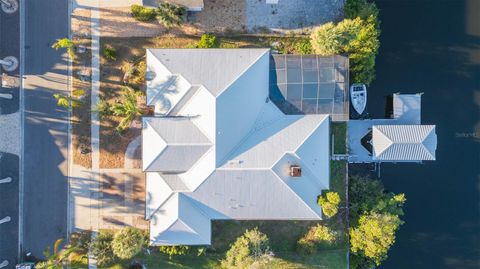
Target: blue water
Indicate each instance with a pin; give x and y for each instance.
(433, 46)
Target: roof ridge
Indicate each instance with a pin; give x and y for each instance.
(294, 192)
(243, 72)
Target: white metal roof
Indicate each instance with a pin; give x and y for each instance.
(404, 142)
(234, 146)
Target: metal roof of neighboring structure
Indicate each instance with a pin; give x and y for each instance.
(407, 108)
(404, 142)
(228, 146)
(191, 5)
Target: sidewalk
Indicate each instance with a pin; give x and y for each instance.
(104, 198)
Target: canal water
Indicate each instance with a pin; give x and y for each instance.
(433, 46)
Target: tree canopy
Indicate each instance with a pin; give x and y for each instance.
(329, 203)
(374, 235)
(247, 249)
(65, 43)
(374, 218)
(356, 37)
(127, 242)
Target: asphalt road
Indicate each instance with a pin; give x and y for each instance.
(45, 126)
(9, 207)
(9, 163)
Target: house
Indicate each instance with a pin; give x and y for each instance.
(399, 138)
(217, 148)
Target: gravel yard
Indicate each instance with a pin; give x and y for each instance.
(292, 14)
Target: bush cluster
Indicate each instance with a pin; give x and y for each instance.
(316, 235)
(109, 246)
(169, 14)
(208, 41)
(143, 14)
(329, 203)
(110, 52)
(250, 248)
(374, 219)
(357, 36)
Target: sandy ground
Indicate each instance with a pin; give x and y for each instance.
(81, 22)
(118, 22)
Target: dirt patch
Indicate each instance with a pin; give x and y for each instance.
(81, 22)
(118, 22)
(81, 116)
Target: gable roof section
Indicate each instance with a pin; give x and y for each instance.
(253, 194)
(215, 69)
(181, 222)
(404, 142)
(176, 144)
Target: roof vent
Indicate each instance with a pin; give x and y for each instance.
(150, 75)
(295, 171)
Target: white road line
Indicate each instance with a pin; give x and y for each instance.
(69, 134)
(22, 124)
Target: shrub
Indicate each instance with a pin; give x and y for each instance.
(249, 248)
(360, 8)
(135, 74)
(329, 203)
(356, 37)
(174, 250)
(81, 241)
(103, 108)
(326, 40)
(127, 243)
(110, 52)
(141, 13)
(303, 46)
(208, 41)
(127, 108)
(316, 236)
(101, 247)
(305, 246)
(169, 14)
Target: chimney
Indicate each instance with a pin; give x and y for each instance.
(295, 171)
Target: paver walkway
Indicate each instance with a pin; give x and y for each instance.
(104, 198)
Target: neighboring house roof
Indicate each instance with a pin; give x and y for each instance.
(191, 5)
(221, 150)
(407, 108)
(404, 142)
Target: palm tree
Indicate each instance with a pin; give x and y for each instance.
(127, 108)
(65, 43)
(57, 259)
(170, 14)
(67, 101)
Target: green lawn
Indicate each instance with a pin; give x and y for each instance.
(339, 131)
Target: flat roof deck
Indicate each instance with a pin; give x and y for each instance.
(310, 84)
(357, 129)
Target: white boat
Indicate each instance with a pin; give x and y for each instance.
(358, 97)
